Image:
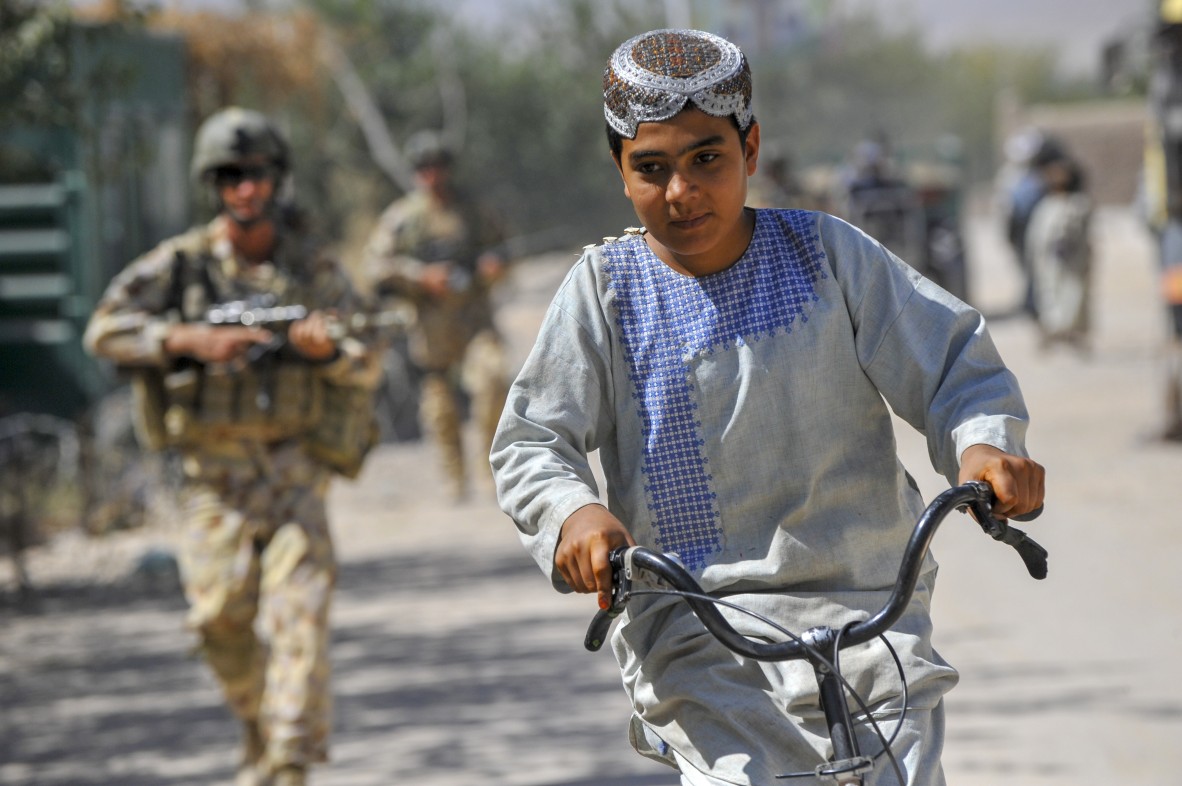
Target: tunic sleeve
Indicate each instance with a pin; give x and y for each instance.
(928, 353)
(557, 413)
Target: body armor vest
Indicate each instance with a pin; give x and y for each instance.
(268, 396)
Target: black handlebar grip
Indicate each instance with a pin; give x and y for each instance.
(597, 630)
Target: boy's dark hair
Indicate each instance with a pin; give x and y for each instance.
(615, 140)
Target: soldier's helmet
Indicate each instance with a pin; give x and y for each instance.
(234, 134)
(428, 148)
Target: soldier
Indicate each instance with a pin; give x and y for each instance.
(261, 418)
(443, 253)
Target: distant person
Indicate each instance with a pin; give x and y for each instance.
(877, 199)
(262, 419)
(444, 252)
(1058, 242)
(871, 167)
(735, 370)
(1163, 180)
(1022, 187)
(776, 184)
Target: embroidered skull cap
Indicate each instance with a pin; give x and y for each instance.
(650, 77)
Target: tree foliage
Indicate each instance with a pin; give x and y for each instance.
(34, 63)
(523, 103)
(267, 61)
(533, 137)
(860, 80)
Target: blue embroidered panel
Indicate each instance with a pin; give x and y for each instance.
(666, 320)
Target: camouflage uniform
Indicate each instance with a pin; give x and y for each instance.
(454, 340)
(256, 536)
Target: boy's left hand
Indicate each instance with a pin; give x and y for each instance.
(1017, 482)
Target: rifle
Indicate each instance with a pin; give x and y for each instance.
(256, 310)
(262, 311)
(259, 310)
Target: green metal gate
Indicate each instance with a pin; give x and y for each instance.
(109, 187)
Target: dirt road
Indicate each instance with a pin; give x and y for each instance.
(455, 664)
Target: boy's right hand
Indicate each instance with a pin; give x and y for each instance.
(587, 537)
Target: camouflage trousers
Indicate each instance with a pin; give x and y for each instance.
(481, 373)
(258, 569)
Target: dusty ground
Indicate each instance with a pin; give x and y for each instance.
(455, 664)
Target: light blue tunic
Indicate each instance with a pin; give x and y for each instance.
(740, 422)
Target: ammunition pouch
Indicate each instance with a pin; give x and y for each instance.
(196, 405)
(203, 407)
(214, 408)
(346, 431)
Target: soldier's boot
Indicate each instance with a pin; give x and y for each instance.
(253, 747)
(290, 775)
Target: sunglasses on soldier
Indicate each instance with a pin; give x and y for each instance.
(233, 175)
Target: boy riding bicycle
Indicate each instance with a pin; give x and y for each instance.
(730, 365)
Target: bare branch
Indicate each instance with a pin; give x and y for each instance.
(365, 111)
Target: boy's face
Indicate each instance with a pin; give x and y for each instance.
(687, 180)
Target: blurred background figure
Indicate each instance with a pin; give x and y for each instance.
(1058, 244)
(1163, 179)
(1020, 189)
(775, 183)
(939, 180)
(444, 252)
(876, 198)
(262, 415)
(870, 168)
(914, 210)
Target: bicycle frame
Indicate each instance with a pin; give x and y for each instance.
(820, 645)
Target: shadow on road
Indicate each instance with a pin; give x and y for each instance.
(440, 677)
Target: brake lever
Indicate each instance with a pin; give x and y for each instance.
(621, 593)
(1033, 555)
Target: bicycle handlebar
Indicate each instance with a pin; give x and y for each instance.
(976, 495)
